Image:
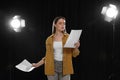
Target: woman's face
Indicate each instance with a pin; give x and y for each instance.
(60, 25)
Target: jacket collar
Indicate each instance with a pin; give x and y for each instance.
(65, 35)
(54, 34)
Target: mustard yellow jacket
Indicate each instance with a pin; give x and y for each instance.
(68, 53)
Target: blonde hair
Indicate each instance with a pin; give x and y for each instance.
(55, 21)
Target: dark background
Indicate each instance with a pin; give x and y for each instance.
(100, 55)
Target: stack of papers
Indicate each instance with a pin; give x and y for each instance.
(73, 38)
(25, 66)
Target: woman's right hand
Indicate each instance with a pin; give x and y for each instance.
(41, 62)
(35, 65)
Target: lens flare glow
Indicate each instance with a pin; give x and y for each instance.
(17, 23)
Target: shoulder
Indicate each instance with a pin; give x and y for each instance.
(66, 34)
(49, 38)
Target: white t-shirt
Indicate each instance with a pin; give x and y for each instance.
(58, 50)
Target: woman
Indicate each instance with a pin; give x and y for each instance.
(58, 60)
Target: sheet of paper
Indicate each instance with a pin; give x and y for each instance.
(73, 38)
(25, 66)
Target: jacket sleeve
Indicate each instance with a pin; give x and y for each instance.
(76, 52)
(46, 47)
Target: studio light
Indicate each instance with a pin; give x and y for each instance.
(110, 12)
(17, 23)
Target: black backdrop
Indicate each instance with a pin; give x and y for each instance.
(98, 59)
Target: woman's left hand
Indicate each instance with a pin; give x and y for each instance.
(77, 45)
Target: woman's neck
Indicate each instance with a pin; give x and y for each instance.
(58, 33)
(58, 36)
